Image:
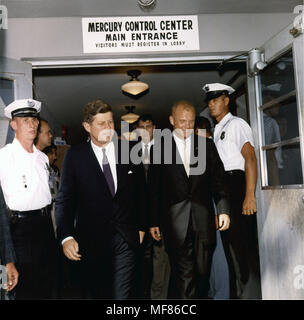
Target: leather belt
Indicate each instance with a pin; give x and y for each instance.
(235, 172)
(43, 212)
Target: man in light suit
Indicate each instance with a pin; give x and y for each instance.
(7, 252)
(97, 211)
(182, 191)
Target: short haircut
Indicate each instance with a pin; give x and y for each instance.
(94, 107)
(49, 149)
(40, 122)
(146, 117)
(39, 129)
(202, 123)
(184, 104)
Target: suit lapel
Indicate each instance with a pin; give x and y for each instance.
(119, 165)
(194, 161)
(94, 162)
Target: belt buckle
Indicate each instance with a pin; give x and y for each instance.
(44, 211)
(13, 217)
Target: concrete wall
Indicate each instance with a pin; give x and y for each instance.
(62, 37)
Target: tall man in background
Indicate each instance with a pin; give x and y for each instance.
(44, 135)
(234, 142)
(154, 266)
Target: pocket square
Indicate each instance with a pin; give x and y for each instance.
(130, 172)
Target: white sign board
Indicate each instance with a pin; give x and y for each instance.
(140, 34)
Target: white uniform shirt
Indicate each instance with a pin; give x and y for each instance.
(235, 132)
(110, 153)
(24, 177)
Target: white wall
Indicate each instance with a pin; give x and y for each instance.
(62, 37)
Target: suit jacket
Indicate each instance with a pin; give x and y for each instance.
(174, 195)
(85, 208)
(144, 193)
(7, 252)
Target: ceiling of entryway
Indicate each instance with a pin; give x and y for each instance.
(81, 8)
(64, 92)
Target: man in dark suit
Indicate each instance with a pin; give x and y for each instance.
(182, 191)
(97, 212)
(7, 252)
(153, 263)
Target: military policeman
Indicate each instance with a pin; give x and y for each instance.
(24, 178)
(234, 142)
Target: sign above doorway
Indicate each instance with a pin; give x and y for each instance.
(140, 34)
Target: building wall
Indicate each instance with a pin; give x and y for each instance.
(62, 37)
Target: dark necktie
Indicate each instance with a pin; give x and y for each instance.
(107, 172)
(146, 161)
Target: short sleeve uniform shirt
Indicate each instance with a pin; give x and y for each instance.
(230, 135)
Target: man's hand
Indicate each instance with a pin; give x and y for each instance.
(71, 249)
(224, 222)
(155, 233)
(12, 276)
(141, 236)
(249, 205)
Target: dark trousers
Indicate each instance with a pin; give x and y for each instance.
(35, 247)
(153, 270)
(240, 243)
(111, 275)
(144, 268)
(190, 266)
(161, 271)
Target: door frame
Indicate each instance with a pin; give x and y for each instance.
(279, 230)
(21, 74)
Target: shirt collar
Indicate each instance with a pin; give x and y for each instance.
(108, 147)
(227, 117)
(18, 146)
(149, 144)
(182, 141)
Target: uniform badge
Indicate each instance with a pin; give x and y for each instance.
(223, 135)
(24, 181)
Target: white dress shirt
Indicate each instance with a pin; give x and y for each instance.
(235, 132)
(110, 152)
(180, 143)
(24, 177)
(149, 144)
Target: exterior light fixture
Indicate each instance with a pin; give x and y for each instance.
(134, 86)
(146, 4)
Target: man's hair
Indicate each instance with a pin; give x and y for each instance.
(146, 117)
(202, 123)
(184, 104)
(40, 122)
(39, 129)
(94, 107)
(49, 149)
